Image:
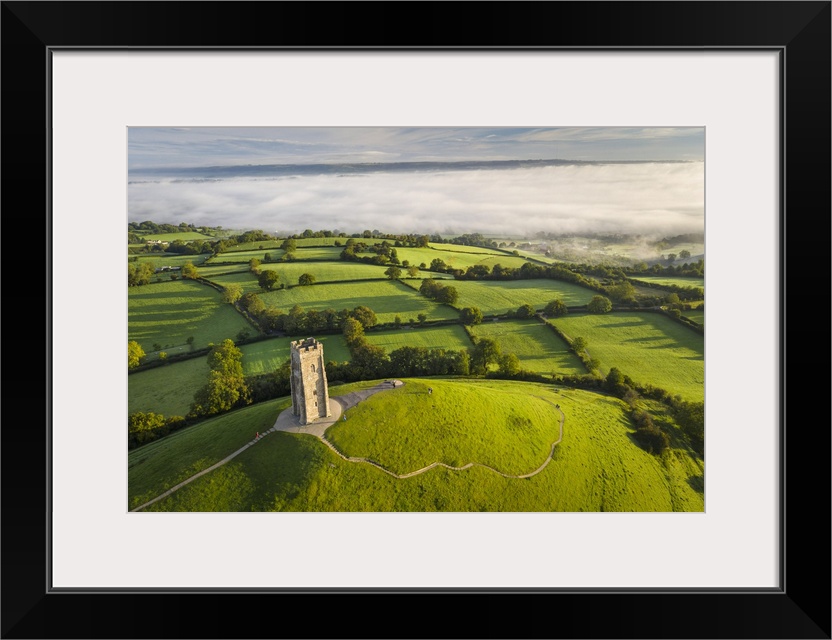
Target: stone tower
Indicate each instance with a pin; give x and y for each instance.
(310, 394)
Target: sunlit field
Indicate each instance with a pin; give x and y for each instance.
(596, 467)
(648, 347)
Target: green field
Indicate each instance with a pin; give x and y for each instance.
(387, 299)
(673, 282)
(318, 253)
(185, 236)
(538, 347)
(696, 316)
(495, 297)
(268, 355)
(450, 337)
(210, 272)
(463, 248)
(319, 242)
(168, 390)
(648, 347)
(267, 245)
(158, 260)
(454, 259)
(170, 312)
(244, 256)
(510, 425)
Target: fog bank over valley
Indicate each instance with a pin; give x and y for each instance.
(650, 198)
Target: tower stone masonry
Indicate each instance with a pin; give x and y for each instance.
(310, 394)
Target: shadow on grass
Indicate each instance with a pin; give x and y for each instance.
(697, 483)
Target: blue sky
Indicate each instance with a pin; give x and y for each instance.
(156, 147)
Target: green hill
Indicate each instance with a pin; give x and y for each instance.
(508, 426)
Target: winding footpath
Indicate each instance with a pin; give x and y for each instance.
(286, 422)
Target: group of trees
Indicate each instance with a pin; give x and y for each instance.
(226, 388)
(368, 361)
(300, 321)
(439, 291)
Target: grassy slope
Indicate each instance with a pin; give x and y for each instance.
(538, 347)
(170, 312)
(497, 297)
(596, 467)
(456, 259)
(648, 347)
(387, 299)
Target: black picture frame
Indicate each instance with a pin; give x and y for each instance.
(799, 31)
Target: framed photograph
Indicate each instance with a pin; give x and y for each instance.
(99, 95)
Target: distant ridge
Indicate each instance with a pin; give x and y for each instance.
(271, 170)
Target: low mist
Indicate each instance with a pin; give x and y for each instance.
(638, 198)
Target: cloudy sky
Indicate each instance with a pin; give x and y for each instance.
(659, 189)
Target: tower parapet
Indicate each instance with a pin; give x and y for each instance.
(310, 393)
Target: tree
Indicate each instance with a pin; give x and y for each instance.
(189, 271)
(268, 280)
(422, 318)
(448, 295)
(394, 273)
(555, 308)
(252, 303)
(471, 316)
(486, 352)
(397, 322)
(623, 291)
(226, 387)
(353, 331)
(254, 266)
(135, 354)
(289, 244)
(232, 292)
(412, 271)
(684, 254)
(365, 316)
(509, 364)
(579, 344)
(599, 304)
(306, 279)
(525, 311)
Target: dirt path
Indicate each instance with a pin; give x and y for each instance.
(462, 468)
(286, 422)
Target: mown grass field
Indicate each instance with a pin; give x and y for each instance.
(495, 297)
(168, 390)
(597, 466)
(170, 312)
(387, 299)
(648, 347)
(538, 347)
(451, 337)
(675, 282)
